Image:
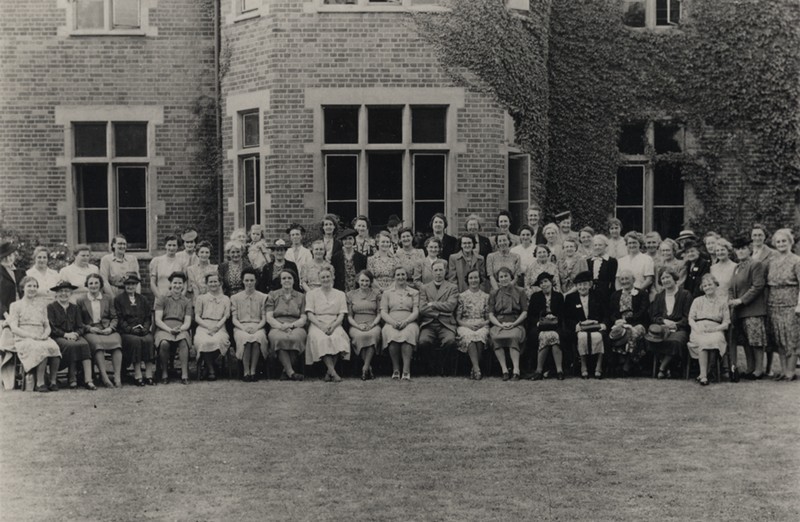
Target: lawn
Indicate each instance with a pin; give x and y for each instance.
(431, 449)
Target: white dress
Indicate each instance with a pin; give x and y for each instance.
(326, 307)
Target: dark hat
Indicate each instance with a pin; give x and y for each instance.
(189, 235)
(657, 333)
(279, 244)
(741, 242)
(345, 233)
(619, 335)
(583, 277)
(394, 221)
(541, 277)
(561, 216)
(131, 277)
(690, 243)
(63, 284)
(686, 234)
(6, 248)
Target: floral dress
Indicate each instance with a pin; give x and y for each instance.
(783, 280)
(540, 268)
(705, 311)
(31, 316)
(382, 268)
(473, 307)
(637, 331)
(212, 308)
(365, 246)
(568, 269)
(197, 279)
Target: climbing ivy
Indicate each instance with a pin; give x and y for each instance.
(730, 71)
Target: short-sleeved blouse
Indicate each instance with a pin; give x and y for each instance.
(641, 265)
(283, 306)
(77, 276)
(496, 260)
(174, 308)
(249, 308)
(114, 270)
(382, 267)
(507, 302)
(411, 261)
(197, 278)
(397, 300)
(326, 305)
(473, 305)
(161, 267)
(212, 307)
(364, 307)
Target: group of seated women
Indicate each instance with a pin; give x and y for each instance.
(585, 300)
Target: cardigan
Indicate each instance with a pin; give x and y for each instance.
(680, 312)
(640, 304)
(337, 261)
(538, 304)
(265, 283)
(749, 283)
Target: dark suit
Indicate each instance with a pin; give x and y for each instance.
(437, 323)
(482, 245)
(640, 311)
(538, 236)
(449, 246)
(63, 321)
(574, 313)
(337, 261)
(694, 275)
(606, 276)
(9, 289)
(266, 283)
(536, 310)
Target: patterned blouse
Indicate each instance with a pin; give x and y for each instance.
(538, 268)
(568, 269)
(365, 246)
(473, 306)
(783, 279)
(382, 267)
(309, 273)
(496, 260)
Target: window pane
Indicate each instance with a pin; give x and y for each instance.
(339, 2)
(423, 212)
(668, 137)
(385, 176)
(341, 177)
(675, 11)
(130, 139)
(93, 227)
(632, 218)
(385, 124)
(89, 14)
(668, 221)
(251, 181)
(345, 210)
(90, 140)
(251, 133)
(132, 187)
(250, 5)
(429, 175)
(518, 211)
(518, 177)
(630, 185)
(379, 213)
(429, 124)
(341, 124)
(668, 12)
(667, 184)
(633, 13)
(133, 225)
(126, 13)
(91, 183)
(632, 138)
(249, 216)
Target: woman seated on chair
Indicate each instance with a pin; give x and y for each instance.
(545, 315)
(67, 329)
(628, 320)
(472, 316)
(134, 322)
(27, 319)
(669, 315)
(585, 314)
(249, 317)
(400, 333)
(326, 308)
(211, 311)
(173, 321)
(100, 316)
(364, 316)
(508, 309)
(286, 318)
(709, 319)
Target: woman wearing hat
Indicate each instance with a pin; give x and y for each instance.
(189, 253)
(749, 308)
(286, 316)
(329, 228)
(543, 263)
(585, 314)
(783, 280)
(134, 324)
(545, 316)
(270, 277)
(472, 317)
(669, 317)
(709, 319)
(346, 262)
(78, 271)
(508, 309)
(628, 320)
(27, 319)
(100, 318)
(212, 311)
(696, 268)
(197, 273)
(564, 221)
(115, 266)
(297, 253)
(173, 321)
(46, 276)
(67, 329)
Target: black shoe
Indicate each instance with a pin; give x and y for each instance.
(734, 375)
(297, 377)
(515, 377)
(150, 382)
(506, 376)
(247, 378)
(139, 382)
(560, 376)
(537, 376)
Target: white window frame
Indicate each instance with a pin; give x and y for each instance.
(388, 6)
(669, 13)
(647, 195)
(650, 15)
(241, 12)
(248, 153)
(71, 28)
(518, 200)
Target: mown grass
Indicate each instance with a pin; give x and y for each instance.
(431, 449)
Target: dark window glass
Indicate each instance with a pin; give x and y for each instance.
(668, 137)
(668, 221)
(632, 218)
(518, 177)
(385, 124)
(130, 139)
(341, 124)
(667, 184)
(251, 167)
(346, 210)
(90, 140)
(668, 12)
(132, 186)
(385, 176)
(423, 212)
(251, 133)
(90, 14)
(630, 186)
(518, 211)
(633, 13)
(429, 175)
(429, 124)
(91, 184)
(379, 212)
(341, 176)
(632, 138)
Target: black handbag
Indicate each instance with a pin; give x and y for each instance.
(547, 323)
(592, 326)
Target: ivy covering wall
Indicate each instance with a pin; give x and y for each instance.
(730, 72)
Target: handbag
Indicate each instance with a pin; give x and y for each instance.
(590, 326)
(547, 323)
